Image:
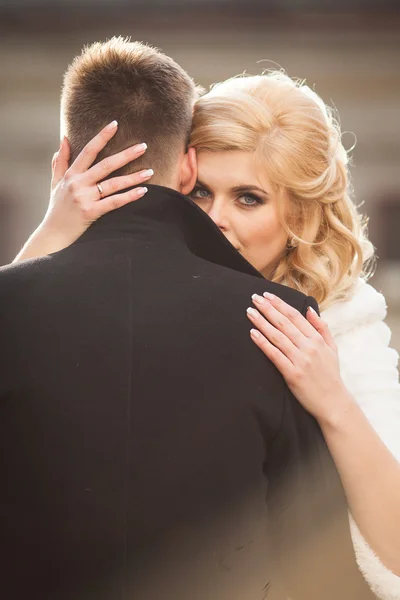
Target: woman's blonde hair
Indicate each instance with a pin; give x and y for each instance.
(297, 141)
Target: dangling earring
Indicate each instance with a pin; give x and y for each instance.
(292, 243)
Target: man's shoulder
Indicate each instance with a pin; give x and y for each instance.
(249, 284)
(291, 296)
(25, 276)
(21, 270)
(17, 280)
(49, 264)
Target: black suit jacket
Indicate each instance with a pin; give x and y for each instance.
(146, 444)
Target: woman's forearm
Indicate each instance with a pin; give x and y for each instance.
(371, 479)
(44, 240)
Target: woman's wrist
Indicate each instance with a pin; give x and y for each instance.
(343, 408)
(52, 236)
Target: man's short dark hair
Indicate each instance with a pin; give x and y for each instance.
(147, 92)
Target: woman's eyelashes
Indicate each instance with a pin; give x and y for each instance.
(199, 193)
(244, 200)
(250, 200)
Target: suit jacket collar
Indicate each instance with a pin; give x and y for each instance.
(167, 214)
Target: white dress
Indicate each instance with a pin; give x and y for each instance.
(369, 369)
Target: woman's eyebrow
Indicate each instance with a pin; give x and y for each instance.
(201, 184)
(249, 188)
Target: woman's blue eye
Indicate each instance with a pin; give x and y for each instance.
(199, 194)
(250, 200)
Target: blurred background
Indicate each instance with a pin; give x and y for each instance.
(348, 50)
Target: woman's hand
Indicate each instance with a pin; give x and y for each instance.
(304, 352)
(80, 194)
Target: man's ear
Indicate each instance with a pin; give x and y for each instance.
(188, 172)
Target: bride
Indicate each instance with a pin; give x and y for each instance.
(292, 217)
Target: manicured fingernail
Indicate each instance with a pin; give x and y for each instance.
(252, 312)
(310, 308)
(141, 147)
(140, 191)
(112, 125)
(254, 333)
(147, 173)
(256, 298)
(269, 296)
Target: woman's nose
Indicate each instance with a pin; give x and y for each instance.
(219, 215)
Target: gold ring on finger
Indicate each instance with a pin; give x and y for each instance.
(99, 187)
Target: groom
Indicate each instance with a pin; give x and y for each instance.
(148, 449)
